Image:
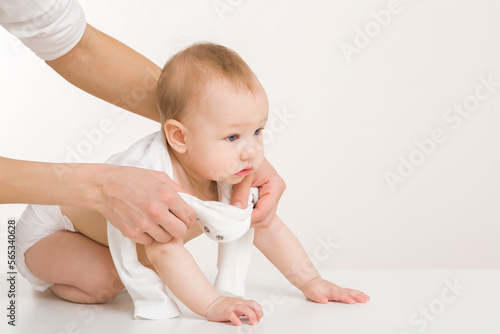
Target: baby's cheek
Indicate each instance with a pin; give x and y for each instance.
(221, 172)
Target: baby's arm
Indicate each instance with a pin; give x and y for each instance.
(284, 250)
(179, 271)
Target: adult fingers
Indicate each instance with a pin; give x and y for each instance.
(176, 205)
(169, 221)
(158, 233)
(141, 238)
(144, 204)
(241, 192)
(271, 188)
(264, 211)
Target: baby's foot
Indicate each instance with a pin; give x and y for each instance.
(321, 291)
(230, 309)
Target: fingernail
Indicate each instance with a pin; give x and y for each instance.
(238, 205)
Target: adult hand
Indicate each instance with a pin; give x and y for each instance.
(143, 204)
(271, 187)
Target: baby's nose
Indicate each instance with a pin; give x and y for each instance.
(248, 153)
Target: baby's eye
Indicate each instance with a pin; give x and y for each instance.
(232, 138)
(258, 132)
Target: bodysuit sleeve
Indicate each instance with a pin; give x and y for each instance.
(50, 28)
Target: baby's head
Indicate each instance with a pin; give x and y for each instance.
(213, 110)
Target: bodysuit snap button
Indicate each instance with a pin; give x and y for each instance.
(219, 237)
(206, 229)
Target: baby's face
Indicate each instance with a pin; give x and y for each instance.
(224, 134)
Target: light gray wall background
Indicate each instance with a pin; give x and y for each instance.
(357, 90)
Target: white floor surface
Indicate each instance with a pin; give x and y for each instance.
(402, 302)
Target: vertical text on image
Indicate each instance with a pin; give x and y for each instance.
(11, 272)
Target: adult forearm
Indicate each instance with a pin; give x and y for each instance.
(110, 70)
(143, 204)
(49, 183)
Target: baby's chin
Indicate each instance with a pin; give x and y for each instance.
(232, 180)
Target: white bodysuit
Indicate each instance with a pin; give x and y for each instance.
(228, 225)
(50, 28)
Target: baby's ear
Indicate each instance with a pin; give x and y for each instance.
(176, 135)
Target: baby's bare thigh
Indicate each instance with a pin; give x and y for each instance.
(90, 223)
(72, 259)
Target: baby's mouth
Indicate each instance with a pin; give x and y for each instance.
(244, 172)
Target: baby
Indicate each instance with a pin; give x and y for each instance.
(213, 111)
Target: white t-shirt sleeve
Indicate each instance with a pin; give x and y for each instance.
(50, 28)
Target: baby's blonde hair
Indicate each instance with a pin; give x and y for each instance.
(186, 74)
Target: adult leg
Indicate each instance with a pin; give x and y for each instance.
(81, 269)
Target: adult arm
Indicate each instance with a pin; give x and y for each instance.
(142, 204)
(110, 70)
(57, 32)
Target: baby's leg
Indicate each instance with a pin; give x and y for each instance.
(82, 269)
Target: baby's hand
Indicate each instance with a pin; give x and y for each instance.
(230, 309)
(321, 291)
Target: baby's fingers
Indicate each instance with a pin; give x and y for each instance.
(359, 296)
(234, 318)
(257, 308)
(340, 295)
(317, 296)
(247, 311)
